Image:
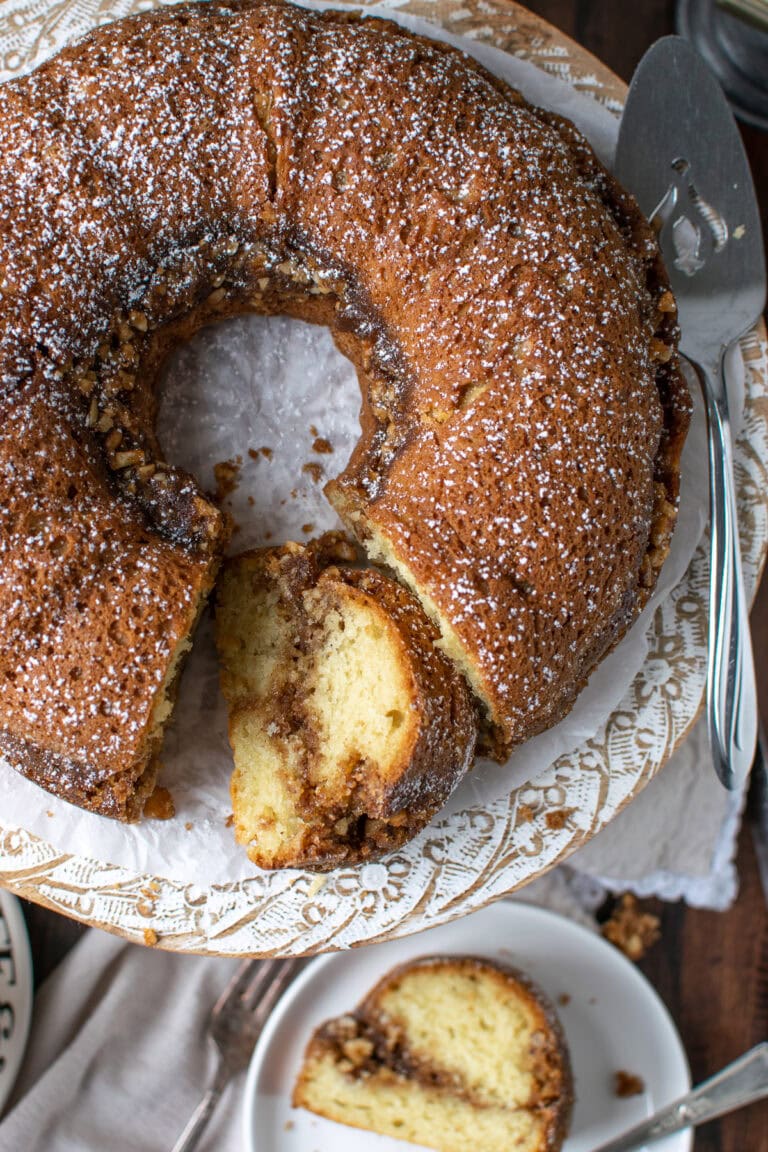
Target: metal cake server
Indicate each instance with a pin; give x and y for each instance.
(681, 155)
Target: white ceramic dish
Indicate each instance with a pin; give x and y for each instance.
(15, 992)
(613, 1021)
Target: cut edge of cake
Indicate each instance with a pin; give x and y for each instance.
(349, 727)
(405, 1064)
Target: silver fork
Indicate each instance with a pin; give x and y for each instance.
(237, 1020)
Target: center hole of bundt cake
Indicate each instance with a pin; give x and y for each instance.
(275, 397)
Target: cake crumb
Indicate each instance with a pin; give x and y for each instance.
(556, 821)
(307, 528)
(227, 476)
(526, 813)
(251, 501)
(264, 451)
(289, 1125)
(631, 930)
(322, 446)
(229, 820)
(313, 430)
(627, 1084)
(150, 937)
(159, 806)
(316, 885)
(49, 813)
(564, 999)
(146, 906)
(314, 470)
(334, 547)
(188, 825)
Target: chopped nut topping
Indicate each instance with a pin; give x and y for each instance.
(138, 320)
(127, 459)
(666, 302)
(294, 272)
(216, 297)
(120, 382)
(113, 439)
(105, 422)
(158, 806)
(93, 413)
(660, 351)
(128, 355)
(87, 383)
(632, 931)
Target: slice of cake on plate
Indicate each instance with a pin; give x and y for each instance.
(454, 1053)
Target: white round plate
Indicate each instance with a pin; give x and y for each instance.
(612, 1018)
(15, 992)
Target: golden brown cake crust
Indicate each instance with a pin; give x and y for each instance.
(522, 414)
(385, 1046)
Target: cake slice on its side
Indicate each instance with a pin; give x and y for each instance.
(452, 1053)
(349, 728)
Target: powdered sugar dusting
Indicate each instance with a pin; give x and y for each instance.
(489, 270)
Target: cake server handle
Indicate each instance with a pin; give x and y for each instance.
(742, 1082)
(731, 691)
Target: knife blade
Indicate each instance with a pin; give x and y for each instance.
(680, 153)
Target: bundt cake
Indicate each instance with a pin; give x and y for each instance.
(349, 727)
(502, 299)
(453, 1053)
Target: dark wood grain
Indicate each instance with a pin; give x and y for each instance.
(51, 937)
(710, 968)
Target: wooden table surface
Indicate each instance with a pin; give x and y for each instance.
(710, 968)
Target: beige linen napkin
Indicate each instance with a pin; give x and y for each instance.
(117, 1058)
(677, 839)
